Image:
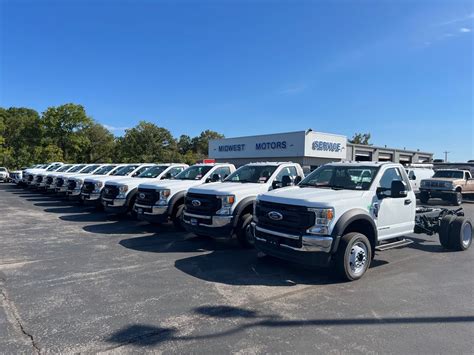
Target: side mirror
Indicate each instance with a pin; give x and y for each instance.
(167, 176)
(298, 179)
(381, 192)
(413, 177)
(276, 185)
(398, 189)
(286, 181)
(215, 178)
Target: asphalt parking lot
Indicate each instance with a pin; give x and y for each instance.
(75, 280)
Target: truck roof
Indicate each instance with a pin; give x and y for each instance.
(363, 163)
(271, 163)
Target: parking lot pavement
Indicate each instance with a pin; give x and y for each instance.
(74, 280)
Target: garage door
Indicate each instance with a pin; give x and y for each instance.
(385, 157)
(362, 155)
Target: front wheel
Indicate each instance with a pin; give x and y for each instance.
(353, 256)
(457, 198)
(178, 218)
(244, 234)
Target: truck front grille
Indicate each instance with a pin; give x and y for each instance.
(295, 219)
(71, 184)
(202, 204)
(49, 180)
(39, 179)
(88, 187)
(59, 182)
(147, 196)
(110, 191)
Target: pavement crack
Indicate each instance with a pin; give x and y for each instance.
(15, 320)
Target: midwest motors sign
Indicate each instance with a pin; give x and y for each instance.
(293, 144)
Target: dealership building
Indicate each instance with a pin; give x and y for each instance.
(308, 148)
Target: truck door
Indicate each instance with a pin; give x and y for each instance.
(395, 216)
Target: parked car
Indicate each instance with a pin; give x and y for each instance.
(119, 195)
(49, 182)
(418, 172)
(4, 175)
(225, 210)
(29, 174)
(333, 219)
(74, 182)
(161, 201)
(448, 184)
(92, 189)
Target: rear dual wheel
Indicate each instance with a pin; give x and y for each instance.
(455, 233)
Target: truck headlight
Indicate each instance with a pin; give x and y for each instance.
(226, 205)
(322, 220)
(163, 199)
(122, 191)
(423, 183)
(97, 186)
(448, 185)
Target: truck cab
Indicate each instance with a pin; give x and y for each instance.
(225, 210)
(339, 213)
(161, 201)
(119, 195)
(93, 186)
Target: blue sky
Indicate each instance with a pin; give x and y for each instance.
(401, 70)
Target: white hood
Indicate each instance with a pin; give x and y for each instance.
(231, 188)
(133, 182)
(312, 197)
(174, 186)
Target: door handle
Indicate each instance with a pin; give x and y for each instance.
(407, 201)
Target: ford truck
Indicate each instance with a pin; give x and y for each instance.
(340, 213)
(225, 210)
(448, 184)
(161, 201)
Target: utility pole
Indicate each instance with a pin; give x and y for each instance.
(446, 156)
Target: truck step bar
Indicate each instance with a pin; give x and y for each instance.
(392, 245)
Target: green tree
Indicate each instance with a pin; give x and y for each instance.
(147, 143)
(201, 142)
(360, 138)
(64, 127)
(185, 144)
(98, 146)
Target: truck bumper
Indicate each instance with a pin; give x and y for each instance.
(152, 214)
(115, 206)
(219, 227)
(92, 199)
(309, 250)
(74, 195)
(443, 194)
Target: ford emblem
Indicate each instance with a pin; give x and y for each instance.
(276, 216)
(106, 191)
(141, 195)
(196, 203)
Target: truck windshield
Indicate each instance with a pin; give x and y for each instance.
(104, 170)
(89, 169)
(76, 169)
(153, 172)
(341, 177)
(252, 174)
(450, 174)
(64, 168)
(194, 173)
(124, 171)
(53, 167)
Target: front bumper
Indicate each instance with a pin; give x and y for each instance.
(212, 226)
(61, 190)
(153, 214)
(74, 194)
(91, 198)
(117, 205)
(303, 249)
(443, 194)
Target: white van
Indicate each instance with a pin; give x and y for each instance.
(418, 172)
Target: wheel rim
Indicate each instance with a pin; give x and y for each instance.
(358, 258)
(466, 235)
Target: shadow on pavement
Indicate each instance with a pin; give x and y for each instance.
(122, 225)
(245, 319)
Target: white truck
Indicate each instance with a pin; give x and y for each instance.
(74, 183)
(92, 188)
(161, 201)
(416, 173)
(119, 195)
(30, 174)
(4, 175)
(225, 210)
(61, 180)
(49, 182)
(335, 217)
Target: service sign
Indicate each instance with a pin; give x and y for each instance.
(325, 145)
(265, 146)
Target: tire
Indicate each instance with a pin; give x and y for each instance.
(177, 218)
(244, 234)
(444, 229)
(424, 197)
(132, 212)
(353, 248)
(457, 198)
(460, 233)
